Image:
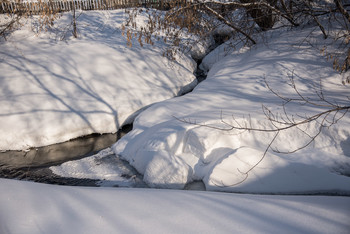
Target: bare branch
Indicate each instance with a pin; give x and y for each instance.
(316, 19)
(257, 4)
(342, 9)
(221, 18)
(246, 174)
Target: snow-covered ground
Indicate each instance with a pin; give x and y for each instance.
(27, 207)
(54, 90)
(170, 149)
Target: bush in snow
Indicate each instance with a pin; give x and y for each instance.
(242, 19)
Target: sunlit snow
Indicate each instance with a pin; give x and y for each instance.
(53, 90)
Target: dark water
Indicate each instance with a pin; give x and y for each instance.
(33, 164)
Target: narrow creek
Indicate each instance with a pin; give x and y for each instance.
(33, 165)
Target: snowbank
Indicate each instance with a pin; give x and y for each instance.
(169, 148)
(53, 90)
(28, 207)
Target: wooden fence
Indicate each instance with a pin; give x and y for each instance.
(38, 6)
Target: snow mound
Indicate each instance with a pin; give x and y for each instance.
(53, 90)
(177, 141)
(171, 155)
(188, 138)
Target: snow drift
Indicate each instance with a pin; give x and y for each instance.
(28, 207)
(53, 90)
(176, 141)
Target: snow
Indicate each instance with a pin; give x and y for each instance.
(170, 146)
(54, 90)
(109, 170)
(176, 142)
(28, 207)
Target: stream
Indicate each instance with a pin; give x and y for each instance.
(33, 164)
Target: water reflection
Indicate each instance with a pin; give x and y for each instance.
(58, 153)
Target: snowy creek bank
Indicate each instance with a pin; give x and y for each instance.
(53, 91)
(33, 164)
(95, 83)
(80, 89)
(190, 138)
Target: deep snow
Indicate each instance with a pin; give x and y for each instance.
(56, 94)
(54, 90)
(170, 146)
(27, 207)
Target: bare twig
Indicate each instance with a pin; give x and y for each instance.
(342, 9)
(282, 122)
(246, 174)
(221, 18)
